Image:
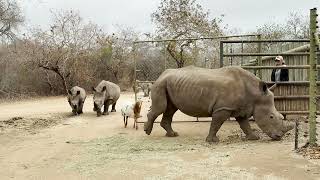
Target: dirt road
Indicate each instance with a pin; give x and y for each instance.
(41, 140)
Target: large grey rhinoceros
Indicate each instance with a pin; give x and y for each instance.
(105, 94)
(76, 98)
(217, 93)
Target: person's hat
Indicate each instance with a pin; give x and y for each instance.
(279, 58)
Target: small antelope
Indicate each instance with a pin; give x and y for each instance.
(132, 110)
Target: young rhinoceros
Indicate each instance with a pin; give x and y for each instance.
(105, 94)
(76, 98)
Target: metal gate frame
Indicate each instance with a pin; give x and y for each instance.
(313, 75)
(175, 40)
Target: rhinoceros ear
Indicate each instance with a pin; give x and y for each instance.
(93, 89)
(78, 92)
(263, 86)
(104, 88)
(69, 91)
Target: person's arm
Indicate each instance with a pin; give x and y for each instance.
(273, 75)
(285, 74)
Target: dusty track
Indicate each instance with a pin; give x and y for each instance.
(87, 147)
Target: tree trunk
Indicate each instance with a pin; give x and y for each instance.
(64, 82)
(49, 82)
(56, 70)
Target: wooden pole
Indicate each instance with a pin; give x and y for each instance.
(313, 78)
(259, 58)
(135, 71)
(221, 54)
(296, 135)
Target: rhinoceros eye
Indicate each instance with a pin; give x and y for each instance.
(271, 116)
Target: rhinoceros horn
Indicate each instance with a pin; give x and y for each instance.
(273, 87)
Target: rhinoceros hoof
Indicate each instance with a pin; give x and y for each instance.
(105, 113)
(212, 139)
(172, 134)
(113, 110)
(253, 137)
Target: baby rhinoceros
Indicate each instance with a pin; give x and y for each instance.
(105, 94)
(76, 98)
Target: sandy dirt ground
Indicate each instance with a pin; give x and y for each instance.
(41, 140)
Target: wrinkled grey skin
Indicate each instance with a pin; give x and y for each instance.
(76, 98)
(146, 88)
(217, 93)
(105, 94)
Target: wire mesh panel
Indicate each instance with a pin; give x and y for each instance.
(152, 58)
(150, 62)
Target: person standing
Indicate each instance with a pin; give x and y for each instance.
(279, 74)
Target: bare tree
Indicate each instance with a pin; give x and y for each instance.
(182, 19)
(58, 49)
(295, 26)
(116, 52)
(10, 18)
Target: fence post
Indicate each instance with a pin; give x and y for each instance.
(313, 78)
(241, 56)
(135, 71)
(221, 54)
(259, 57)
(165, 56)
(296, 135)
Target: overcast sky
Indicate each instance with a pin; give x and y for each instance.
(243, 14)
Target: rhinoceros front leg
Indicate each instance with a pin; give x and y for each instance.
(246, 128)
(106, 107)
(218, 119)
(159, 106)
(167, 120)
(80, 110)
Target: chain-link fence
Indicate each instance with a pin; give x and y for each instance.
(155, 56)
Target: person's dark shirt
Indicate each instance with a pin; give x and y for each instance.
(284, 75)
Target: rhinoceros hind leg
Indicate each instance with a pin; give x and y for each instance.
(113, 109)
(246, 128)
(218, 119)
(167, 119)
